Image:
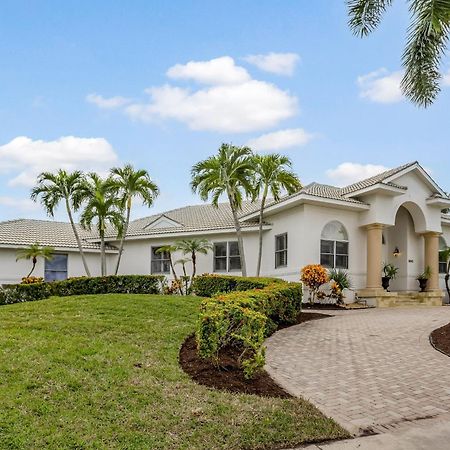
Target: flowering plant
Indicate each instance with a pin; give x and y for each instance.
(313, 276)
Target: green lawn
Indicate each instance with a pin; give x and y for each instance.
(102, 372)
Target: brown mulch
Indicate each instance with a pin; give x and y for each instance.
(229, 376)
(440, 339)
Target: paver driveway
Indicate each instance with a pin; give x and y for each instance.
(368, 369)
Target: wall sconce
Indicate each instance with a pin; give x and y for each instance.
(396, 252)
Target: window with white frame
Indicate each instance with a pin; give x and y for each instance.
(334, 246)
(281, 250)
(226, 256)
(442, 262)
(160, 262)
(56, 268)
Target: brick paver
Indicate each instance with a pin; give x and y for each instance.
(368, 369)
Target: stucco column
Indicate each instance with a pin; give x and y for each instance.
(374, 255)
(432, 259)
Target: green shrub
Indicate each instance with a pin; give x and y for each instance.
(244, 319)
(120, 284)
(208, 285)
(114, 284)
(24, 293)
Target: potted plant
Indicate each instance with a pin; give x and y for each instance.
(389, 272)
(423, 279)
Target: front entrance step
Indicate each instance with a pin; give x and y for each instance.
(384, 299)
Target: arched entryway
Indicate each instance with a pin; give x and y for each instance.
(404, 248)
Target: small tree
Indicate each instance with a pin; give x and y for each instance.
(170, 249)
(313, 277)
(33, 252)
(192, 247)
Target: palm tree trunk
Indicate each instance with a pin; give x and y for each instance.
(122, 239)
(102, 253)
(447, 285)
(237, 225)
(260, 237)
(77, 238)
(172, 267)
(194, 269)
(32, 269)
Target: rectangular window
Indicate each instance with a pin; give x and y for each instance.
(220, 257)
(334, 254)
(56, 268)
(281, 250)
(226, 257)
(442, 266)
(160, 261)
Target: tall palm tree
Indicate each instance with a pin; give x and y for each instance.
(426, 43)
(272, 176)
(62, 186)
(228, 173)
(445, 256)
(129, 184)
(192, 247)
(33, 252)
(102, 208)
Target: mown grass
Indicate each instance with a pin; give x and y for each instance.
(101, 372)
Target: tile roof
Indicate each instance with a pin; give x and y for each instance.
(368, 182)
(192, 218)
(46, 232)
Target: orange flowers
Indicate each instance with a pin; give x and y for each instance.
(314, 275)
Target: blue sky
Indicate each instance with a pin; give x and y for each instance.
(94, 84)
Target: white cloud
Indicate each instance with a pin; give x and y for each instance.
(231, 101)
(279, 140)
(19, 204)
(23, 158)
(279, 63)
(107, 103)
(381, 86)
(218, 71)
(446, 78)
(348, 172)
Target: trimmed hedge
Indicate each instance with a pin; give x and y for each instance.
(208, 285)
(244, 319)
(113, 284)
(120, 284)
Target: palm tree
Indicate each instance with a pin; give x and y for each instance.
(170, 249)
(185, 278)
(229, 173)
(62, 186)
(426, 44)
(272, 176)
(129, 184)
(102, 207)
(33, 252)
(192, 247)
(445, 256)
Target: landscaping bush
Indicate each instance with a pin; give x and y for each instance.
(19, 293)
(114, 284)
(244, 319)
(120, 284)
(208, 285)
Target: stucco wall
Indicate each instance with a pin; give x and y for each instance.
(12, 271)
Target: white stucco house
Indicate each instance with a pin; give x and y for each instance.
(393, 217)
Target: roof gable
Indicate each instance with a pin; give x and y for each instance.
(163, 222)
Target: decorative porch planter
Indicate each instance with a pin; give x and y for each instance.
(385, 281)
(423, 283)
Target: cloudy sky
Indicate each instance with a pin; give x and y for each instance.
(90, 85)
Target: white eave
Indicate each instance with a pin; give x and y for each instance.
(62, 248)
(378, 188)
(439, 202)
(310, 200)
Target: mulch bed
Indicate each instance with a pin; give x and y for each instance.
(440, 339)
(229, 376)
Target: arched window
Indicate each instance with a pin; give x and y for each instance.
(334, 246)
(442, 261)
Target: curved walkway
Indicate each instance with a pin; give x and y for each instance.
(371, 370)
